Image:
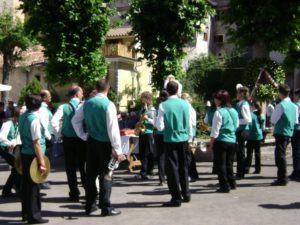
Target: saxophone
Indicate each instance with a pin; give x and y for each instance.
(140, 126)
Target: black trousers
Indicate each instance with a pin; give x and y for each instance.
(14, 179)
(146, 152)
(160, 154)
(224, 156)
(240, 154)
(30, 192)
(253, 146)
(177, 170)
(192, 167)
(98, 157)
(296, 153)
(280, 156)
(75, 157)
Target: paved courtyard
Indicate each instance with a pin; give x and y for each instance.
(254, 201)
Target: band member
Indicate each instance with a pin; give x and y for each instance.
(243, 109)
(74, 147)
(46, 117)
(223, 139)
(146, 139)
(284, 118)
(159, 141)
(296, 141)
(8, 142)
(193, 173)
(172, 78)
(173, 118)
(33, 145)
(103, 141)
(255, 138)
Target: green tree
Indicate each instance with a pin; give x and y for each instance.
(268, 25)
(33, 87)
(73, 34)
(13, 41)
(163, 28)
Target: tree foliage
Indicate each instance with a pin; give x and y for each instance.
(33, 87)
(271, 22)
(13, 41)
(73, 34)
(163, 28)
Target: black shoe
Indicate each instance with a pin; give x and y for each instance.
(222, 190)
(112, 212)
(172, 203)
(256, 172)
(144, 177)
(40, 221)
(293, 176)
(232, 186)
(90, 209)
(186, 199)
(45, 186)
(9, 194)
(279, 183)
(74, 198)
(239, 177)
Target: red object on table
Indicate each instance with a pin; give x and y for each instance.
(124, 132)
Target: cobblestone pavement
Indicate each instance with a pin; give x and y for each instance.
(254, 201)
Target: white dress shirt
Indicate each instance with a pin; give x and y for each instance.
(44, 117)
(246, 113)
(160, 125)
(111, 123)
(278, 111)
(4, 133)
(57, 119)
(217, 123)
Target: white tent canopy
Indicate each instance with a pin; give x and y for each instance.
(5, 87)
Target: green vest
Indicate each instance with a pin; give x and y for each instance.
(239, 110)
(148, 126)
(94, 111)
(255, 128)
(25, 133)
(12, 134)
(286, 124)
(50, 129)
(297, 126)
(229, 125)
(67, 129)
(176, 120)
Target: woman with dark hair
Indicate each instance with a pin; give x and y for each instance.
(33, 145)
(223, 139)
(159, 142)
(255, 137)
(8, 142)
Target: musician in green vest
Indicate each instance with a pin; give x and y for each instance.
(284, 118)
(174, 119)
(74, 147)
(46, 117)
(33, 145)
(146, 139)
(255, 138)
(296, 141)
(243, 109)
(8, 142)
(223, 139)
(99, 115)
(159, 142)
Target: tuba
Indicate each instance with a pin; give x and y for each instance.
(140, 126)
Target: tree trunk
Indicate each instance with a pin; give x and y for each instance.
(7, 68)
(260, 50)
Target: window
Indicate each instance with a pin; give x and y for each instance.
(219, 38)
(38, 77)
(205, 36)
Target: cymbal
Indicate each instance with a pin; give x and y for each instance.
(36, 176)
